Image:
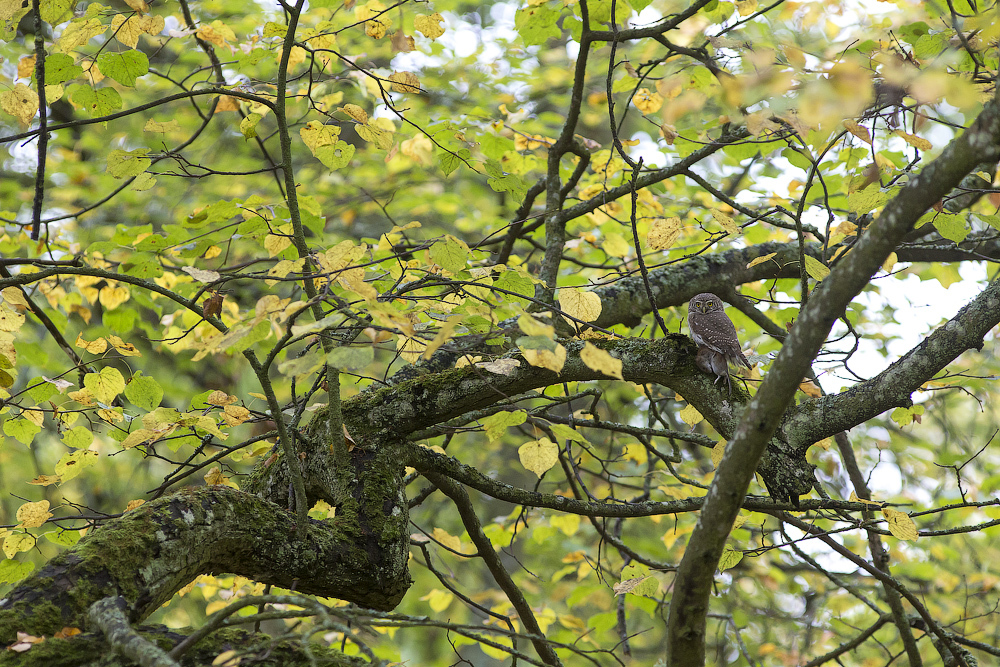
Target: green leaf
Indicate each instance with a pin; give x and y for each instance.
(60, 67)
(516, 282)
(494, 146)
(121, 320)
(42, 390)
(124, 67)
(144, 392)
(536, 25)
(867, 200)
(105, 385)
(566, 432)
(55, 12)
(816, 269)
(123, 164)
(260, 332)
(100, 102)
(496, 425)
(21, 429)
(450, 161)
(335, 156)
(351, 358)
(64, 538)
(952, 227)
(905, 416)
(730, 558)
(73, 463)
(78, 437)
(648, 586)
(13, 571)
(450, 254)
(248, 126)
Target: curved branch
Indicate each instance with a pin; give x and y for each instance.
(689, 604)
(151, 552)
(892, 387)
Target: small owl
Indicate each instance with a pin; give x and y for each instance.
(714, 331)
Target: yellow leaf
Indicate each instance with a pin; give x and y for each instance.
(26, 67)
(214, 477)
(567, 523)
(296, 57)
(438, 599)
(601, 361)
(105, 385)
(429, 26)
(532, 327)
(411, 349)
(33, 515)
(860, 131)
(582, 305)
(94, 347)
(15, 543)
(112, 297)
(854, 499)
(900, 524)
(230, 658)
(14, 296)
(275, 244)
(405, 82)
(761, 260)
(219, 397)
(730, 558)
(816, 269)
(538, 455)
(915, 141)
(124, 349)
(73, 463)
(810, 389)
(45, 480)
(725, 221)
(447, 539)
(227, 103)
(690, 415)
(234, 415)
(647, 101)
(355, 112)
(373, 133)
(615, 245)
(884, 163)
(663, 233)
(889, 262)
(128, 29)
(746, 7)
(553, 360)
(315, 135)
(717, 452)
(419, 148)
(444, 335)
(10, 320)
(21, 102)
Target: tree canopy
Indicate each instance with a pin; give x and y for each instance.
(353, 333)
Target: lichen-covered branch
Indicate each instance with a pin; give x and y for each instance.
(151, 552)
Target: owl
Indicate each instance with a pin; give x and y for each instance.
(715, 334)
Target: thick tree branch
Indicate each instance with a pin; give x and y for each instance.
(151, 552)
(689, 605)
(823, 417)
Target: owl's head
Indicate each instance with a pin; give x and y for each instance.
(705, 302)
